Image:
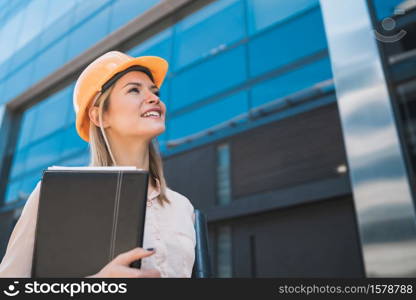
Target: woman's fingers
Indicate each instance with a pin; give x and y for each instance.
(126, 258)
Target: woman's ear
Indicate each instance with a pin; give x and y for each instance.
(94, 117)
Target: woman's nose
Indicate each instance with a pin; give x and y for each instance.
(151, 97)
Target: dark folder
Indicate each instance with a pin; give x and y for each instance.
(86, 217)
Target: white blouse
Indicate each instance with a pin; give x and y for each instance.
(170, 229)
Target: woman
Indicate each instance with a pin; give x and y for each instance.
(118, 111)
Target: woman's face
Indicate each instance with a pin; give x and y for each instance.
(132, 96)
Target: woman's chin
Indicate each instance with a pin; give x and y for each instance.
(154, 132)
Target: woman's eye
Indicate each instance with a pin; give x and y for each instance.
(134, 89)
(157, 93)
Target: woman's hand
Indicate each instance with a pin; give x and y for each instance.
(119, 267)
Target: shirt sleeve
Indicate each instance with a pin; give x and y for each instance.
(17, 261)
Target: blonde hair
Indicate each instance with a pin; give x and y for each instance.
(101, 154)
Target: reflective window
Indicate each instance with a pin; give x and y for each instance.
(158, 45)
(10, 32)
(21, 57)
(124, 11)
(26, 129)
(58, 10)
(80, 159)
(29, 182)
(58, 28)
(72, 142)
(12, 191)
(85, 9)
(44, 152)
(385, 8)
(18, 164)
(208, 115)
(291, 82)
(44, 65)
(287, 43)
(223, 252)
(89, 33)
(208, 78)
(223, 174)
(52, 114)
(35, 14)
(18, 82)
(71, 112)
(263, 13)
(199, 35)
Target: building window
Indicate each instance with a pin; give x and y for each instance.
(223, 252)
(223, 174)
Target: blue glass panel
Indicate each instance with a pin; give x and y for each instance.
(287, 43)
(80, 159)
(30, 181)
(51, 59)
(23, 55)
(35, 14)
(223, 251)
(18, 164)
(89, 33)
(26, 129)
(72, 142)
(164, 92)
(18, 82)
(223, 174)
(208, 115)
(10, 33)
(57, 28)
(208, 78)
(71, 112)
(44, 152)
(263, 13)
(52, 114)
(385, 8)
(4, 68)
(158, 45)
(294, 81)
(203, 33)
(161, 139)
(85, 9)
(58, 10)
(126, 10)
(2, 86)
(12, 191)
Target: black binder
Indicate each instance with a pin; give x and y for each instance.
(86, 217)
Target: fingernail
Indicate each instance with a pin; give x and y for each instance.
(150, 249)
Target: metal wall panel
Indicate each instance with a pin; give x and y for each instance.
(382, 195)
(303, 148)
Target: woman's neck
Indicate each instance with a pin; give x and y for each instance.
(131, 153)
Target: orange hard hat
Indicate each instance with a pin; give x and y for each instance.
(104, 71)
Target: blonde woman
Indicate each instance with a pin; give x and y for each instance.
(118, 111)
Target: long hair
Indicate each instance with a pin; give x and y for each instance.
(101, 154)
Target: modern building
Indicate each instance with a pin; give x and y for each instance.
(290, 124)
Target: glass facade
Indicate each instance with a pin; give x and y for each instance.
(214, 74)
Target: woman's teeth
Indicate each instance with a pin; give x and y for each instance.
(151, 114)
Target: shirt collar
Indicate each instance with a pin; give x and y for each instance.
(153, 192)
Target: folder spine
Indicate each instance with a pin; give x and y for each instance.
(115, 216)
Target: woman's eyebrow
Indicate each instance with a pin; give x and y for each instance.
(139, 84)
